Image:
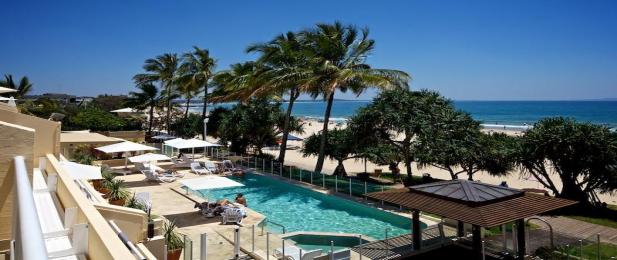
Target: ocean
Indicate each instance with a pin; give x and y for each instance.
(512, 114)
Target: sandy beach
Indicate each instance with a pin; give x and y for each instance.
(514, 179)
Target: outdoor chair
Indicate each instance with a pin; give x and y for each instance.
(232, 215)
(198, 169)
(152, 176)
(293, 252)
(211, 167)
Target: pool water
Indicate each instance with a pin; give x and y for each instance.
(311, 242)
(301, 209)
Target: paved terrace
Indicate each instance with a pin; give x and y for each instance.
(169, 201)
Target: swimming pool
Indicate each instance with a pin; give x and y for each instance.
(301, 209)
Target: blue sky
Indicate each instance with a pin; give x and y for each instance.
(467, 50)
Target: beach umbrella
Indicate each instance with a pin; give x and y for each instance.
(290, 137)
(125, 110)
(7, 90)
(124, 147)
(163, 137)
(82, 171)
(149, 157)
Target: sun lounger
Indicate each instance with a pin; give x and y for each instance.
(229, 166)
(211, 167)
(152, 176)
(198, 169)
(232, 215)
(293, 252)
(178, 163)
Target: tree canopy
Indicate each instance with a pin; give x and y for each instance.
(582, 155)
(340, 145)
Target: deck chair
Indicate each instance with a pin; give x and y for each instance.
(229, 166)
(232, 215)
(198, 169)
(211, 167)
(293, 252)
(181, 163)
(152, 176)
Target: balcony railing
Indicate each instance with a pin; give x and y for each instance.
(27, 241)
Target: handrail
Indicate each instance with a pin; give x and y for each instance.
(125, 240)
(276, 224)
(27, 233)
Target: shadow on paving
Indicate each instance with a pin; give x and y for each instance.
(193, 218)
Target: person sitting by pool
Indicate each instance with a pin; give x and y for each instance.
(240, 199)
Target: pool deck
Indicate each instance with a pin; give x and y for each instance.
(170, 201)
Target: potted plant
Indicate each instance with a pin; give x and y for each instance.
(108, 177)
(174, 242)
(117, 192)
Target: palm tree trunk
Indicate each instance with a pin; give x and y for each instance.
(188, 103)
(324, 133)
(292, 98)
(150, 121)
(205, 109)
(168, 114)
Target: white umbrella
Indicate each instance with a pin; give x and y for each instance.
(7, 90)
(210, 182)
(125, 146)
(125, 110)
(149, 157)
(82, 171)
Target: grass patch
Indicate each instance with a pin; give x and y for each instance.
(588, 251)
(497, 230)
(596, 220)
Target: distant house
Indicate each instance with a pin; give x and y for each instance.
(62, 98)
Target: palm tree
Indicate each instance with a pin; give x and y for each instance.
(199, 67)
(148, 98)
(22, 89)
(237, 83)
(338, 59)
(287, 68)
(189, 90)
(164, 69)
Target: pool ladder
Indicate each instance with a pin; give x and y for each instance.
(265, 221)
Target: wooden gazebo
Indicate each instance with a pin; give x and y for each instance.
(479, 204)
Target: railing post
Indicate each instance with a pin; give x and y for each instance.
(331, 250)
(598, 246)
(360, 246)
(335, 183)
(203, 252)
(580, 248)
(300, 181)
(272, 167)
(237, 243)
(350, 180)
(568, 252)
(253, 238)
(255, 163)
(268, 246)
(263, 165)
(283, 247)
(483, 250)
(323, 180)
(300, 253)
(290, 171)
(365, 190)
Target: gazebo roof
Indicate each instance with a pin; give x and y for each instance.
(471, 202)
(470, 192)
